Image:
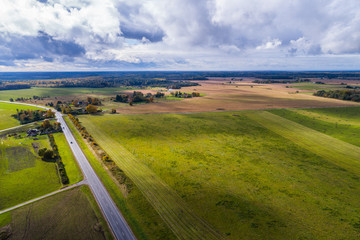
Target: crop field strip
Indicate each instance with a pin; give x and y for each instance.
(169, 205)
(339, 152)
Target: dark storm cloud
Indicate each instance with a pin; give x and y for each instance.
(42, 46)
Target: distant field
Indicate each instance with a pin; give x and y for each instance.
(54, 92)
(23, 175)
(314, 86)
(219, 95)
(8, 109)
(244, 179)
(73, 214)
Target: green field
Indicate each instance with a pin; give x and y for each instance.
(23, 175)
(340, 123)
(8, 109)
(55, 92)
(72, 214)
(139, 214)
(317, 87)
(251, 174)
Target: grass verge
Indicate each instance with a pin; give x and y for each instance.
(67, 157)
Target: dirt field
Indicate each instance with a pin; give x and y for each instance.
(241, 95)
(69, 215)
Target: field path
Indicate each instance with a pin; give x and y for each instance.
(336, 151)
(44, 196)
(183, 222)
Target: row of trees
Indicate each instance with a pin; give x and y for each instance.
(137, 97)
(14, 86)
(52, 155)
(22, 99)
(287, 80)
(179, 94)
(101, 154)
(140, 80)
(349, 95)
(47, 127)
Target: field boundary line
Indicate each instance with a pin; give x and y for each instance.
(83, 182)
(332, 149)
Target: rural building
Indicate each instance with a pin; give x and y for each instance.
(32, 132)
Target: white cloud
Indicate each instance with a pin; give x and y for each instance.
(269, 45)
(179, 32)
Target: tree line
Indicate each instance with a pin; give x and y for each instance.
(101, 154)
(137, 97)
(14, 86)
(348, 95)
(52, 155)
(284, 81)
(179, 94)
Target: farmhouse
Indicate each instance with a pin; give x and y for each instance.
(32, 132)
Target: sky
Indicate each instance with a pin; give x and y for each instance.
(211, 35)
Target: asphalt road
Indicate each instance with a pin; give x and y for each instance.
(113, 216)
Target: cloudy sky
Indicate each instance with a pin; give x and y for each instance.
(65, 35)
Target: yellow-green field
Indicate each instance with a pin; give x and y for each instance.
(24, 176)
(8, 109)
(250, 174)
(72, 214)
(340, 123)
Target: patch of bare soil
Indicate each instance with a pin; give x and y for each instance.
(5, 232)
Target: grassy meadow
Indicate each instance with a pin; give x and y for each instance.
(72, 214)
(8, 109)
(23, 175)
(238, 172)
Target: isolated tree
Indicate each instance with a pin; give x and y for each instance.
(50, 114)
(57, 126)
(42, 151)
(48, 154)
(46, 124)
(106, 158)
(91, 109)
(75, 102)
